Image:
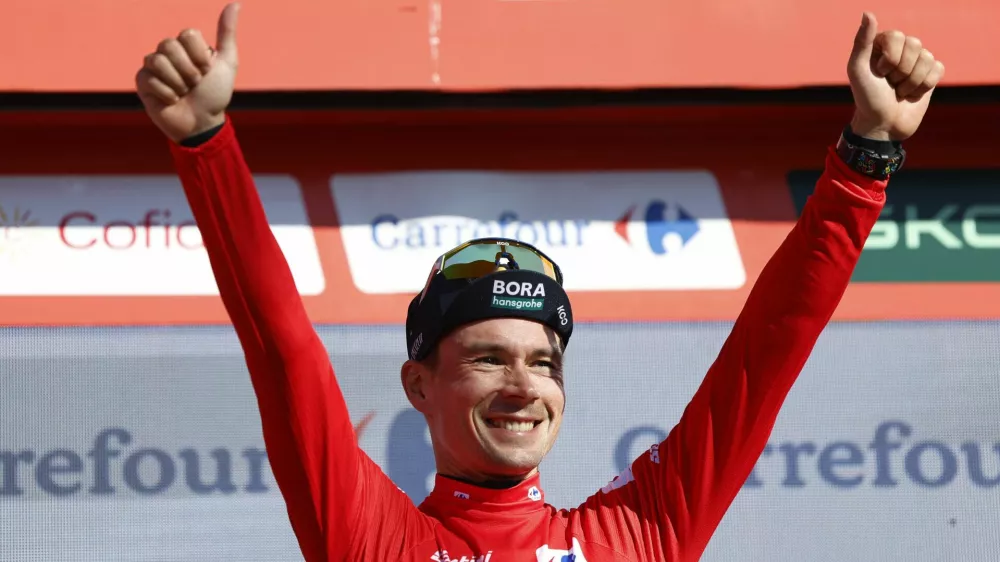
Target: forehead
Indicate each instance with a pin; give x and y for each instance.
(514, 334)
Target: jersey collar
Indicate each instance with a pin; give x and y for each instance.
(452, 495)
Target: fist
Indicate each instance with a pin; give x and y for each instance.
(186, 85)
(892, 78)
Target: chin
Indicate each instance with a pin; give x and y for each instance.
(513, 455)
(514, 463)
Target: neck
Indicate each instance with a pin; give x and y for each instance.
(493, 483)
(489, 481)
(457, 494)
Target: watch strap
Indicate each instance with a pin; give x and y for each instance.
(873, 158)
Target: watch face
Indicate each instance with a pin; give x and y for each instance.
(866, 163)
(893, 165)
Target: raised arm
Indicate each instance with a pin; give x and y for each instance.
(307, 433)
(327, 482)
(676, 494)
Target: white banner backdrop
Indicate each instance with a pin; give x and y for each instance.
(145, 444)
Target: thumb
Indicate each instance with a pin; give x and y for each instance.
(864, 42)
(225, 38)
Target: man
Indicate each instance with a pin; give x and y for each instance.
(486, 338)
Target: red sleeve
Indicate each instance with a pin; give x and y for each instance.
(669, 502)
(333, 491)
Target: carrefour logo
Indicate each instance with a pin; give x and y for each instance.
(660, 221)
(659, 227)
(608, 231)
(389, 232)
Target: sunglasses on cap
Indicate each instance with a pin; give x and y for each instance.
(483, 256)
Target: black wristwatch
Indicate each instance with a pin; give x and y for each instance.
(876, 159)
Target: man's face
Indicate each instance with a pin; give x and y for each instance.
(493, 398)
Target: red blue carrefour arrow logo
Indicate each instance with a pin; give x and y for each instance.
(658, 226)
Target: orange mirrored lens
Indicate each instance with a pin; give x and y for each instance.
(477, 260)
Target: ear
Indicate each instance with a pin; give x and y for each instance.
(414, 375)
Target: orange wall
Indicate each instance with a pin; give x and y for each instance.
(97, 45)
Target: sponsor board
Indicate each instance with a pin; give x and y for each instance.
(92, 451)
(128, 236)
(609, 231)
(753, 184)
(937, 225)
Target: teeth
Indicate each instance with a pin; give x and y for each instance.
(514, 425)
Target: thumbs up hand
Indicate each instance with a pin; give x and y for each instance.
(185, 85)
(892, 78)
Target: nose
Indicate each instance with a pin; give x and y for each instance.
(520, 384)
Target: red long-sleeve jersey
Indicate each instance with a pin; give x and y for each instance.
(664, 507)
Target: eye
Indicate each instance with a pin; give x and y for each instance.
(488, 360)
(547, 364)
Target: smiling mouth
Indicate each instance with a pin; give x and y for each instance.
(511, 425)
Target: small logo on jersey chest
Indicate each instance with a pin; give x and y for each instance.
(574, 554)
(442, 556)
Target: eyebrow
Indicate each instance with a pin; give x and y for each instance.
(487, 347)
